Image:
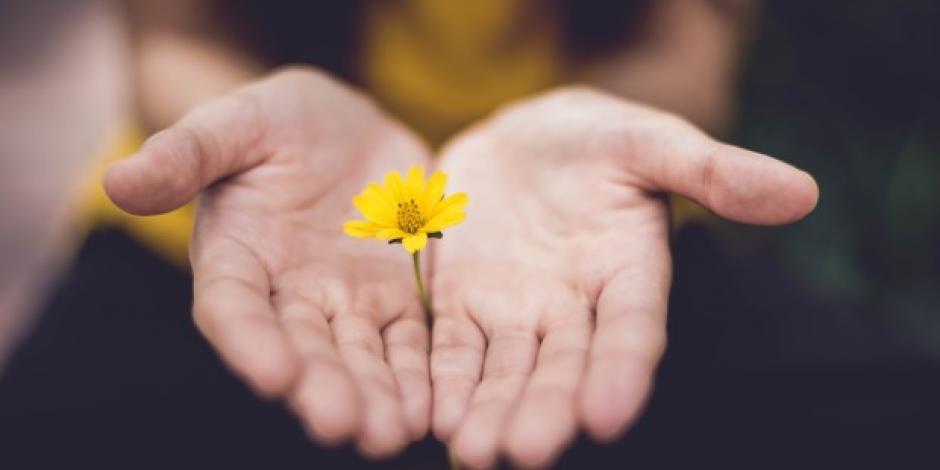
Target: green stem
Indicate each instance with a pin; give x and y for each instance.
(425, 300)
(426, 304)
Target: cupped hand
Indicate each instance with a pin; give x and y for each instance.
(295, 307)
(550, 302)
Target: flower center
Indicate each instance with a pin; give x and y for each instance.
(409, 217)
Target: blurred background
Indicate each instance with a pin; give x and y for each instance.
(815, 344)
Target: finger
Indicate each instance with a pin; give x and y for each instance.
(325, 397)
(213, 141)
(232, 308)
(457, 352)
(545, 420)
(406, 350)
(383, 431)
(629, 339)
(735, 183)
(510, 357)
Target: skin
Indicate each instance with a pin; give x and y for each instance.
(551, 300)
(566, 208)
(296, 308)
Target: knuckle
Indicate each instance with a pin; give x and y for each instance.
(579, 93)
(307, 79)
(616, 139)
(505, 368)
(181, 148)
(244, 105)
(246, 112)
(706, 170)
(192, 147)
(299, 72)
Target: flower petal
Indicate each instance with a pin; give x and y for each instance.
(416, 242)
(456, 201)
(361, 229)
(443, 221)
(395, 185)
(414, 184)
(375, 210)
(380, 195)
(450, 211)
(390, 233)
(434, 192)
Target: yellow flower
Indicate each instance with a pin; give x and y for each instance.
(407, 211)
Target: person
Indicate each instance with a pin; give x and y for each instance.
(549, 303)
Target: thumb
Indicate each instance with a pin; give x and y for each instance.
(213, 141)
(733, 182)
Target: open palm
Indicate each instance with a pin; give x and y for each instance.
(550, 302)
(298, 309)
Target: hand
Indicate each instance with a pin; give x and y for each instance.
(294, 306)
(550, 301)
